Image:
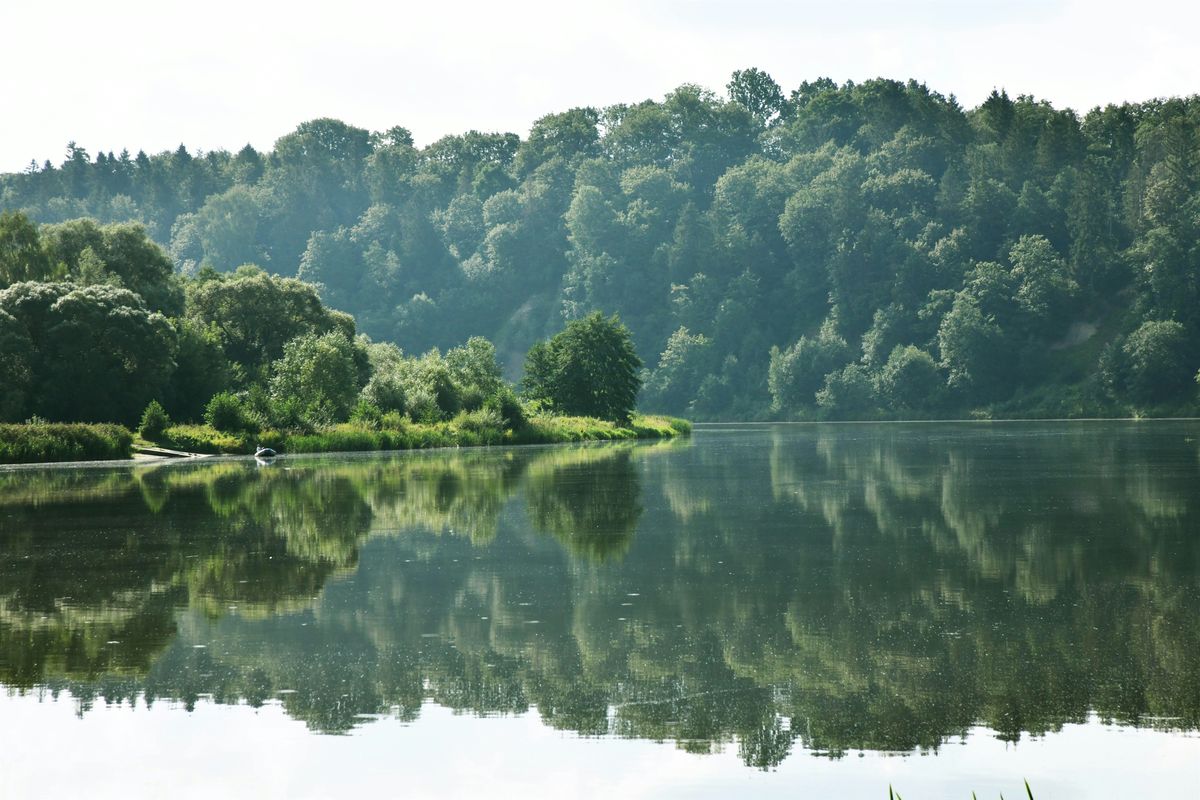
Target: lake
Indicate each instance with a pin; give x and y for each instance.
(759, 611)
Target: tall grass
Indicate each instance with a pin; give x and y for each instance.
(47, 441)
(475, 429)
(43, 442)
(352, 437)
(469, 429)
(207, 439)
(547, 429)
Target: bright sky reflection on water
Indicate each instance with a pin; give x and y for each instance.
(235, 751)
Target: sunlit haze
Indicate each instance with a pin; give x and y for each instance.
(141, 75)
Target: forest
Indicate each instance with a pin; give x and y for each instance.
(854, 250)
(97, 327)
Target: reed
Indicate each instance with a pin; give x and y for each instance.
(894, 795)
(35, 442)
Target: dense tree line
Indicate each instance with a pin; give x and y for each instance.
(843, 250)
(96, 325)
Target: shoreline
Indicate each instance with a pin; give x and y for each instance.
(346, 439)
(227, 458)
(950, 420)
(626, 435)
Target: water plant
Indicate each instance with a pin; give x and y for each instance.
(894, 795)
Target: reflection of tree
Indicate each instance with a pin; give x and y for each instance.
(1026, 572)
(89, 580)
(589, 504)
(829, 588)
(60, 606)
(86, 646)
(455, 493)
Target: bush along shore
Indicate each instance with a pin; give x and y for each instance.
(468, 429)
(37, 442)
(210, 373)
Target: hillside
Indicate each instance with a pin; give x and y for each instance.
(852, 250)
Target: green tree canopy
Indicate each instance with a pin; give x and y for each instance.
(104, 355)
(21, 255)
(795, 374)
(319, 374)
(16, 368)
(590, 368)
(1159, 361)
(991, 236)
(255, 314)
(123, 255)
(910, 380)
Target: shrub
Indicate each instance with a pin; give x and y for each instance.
(1157, 361)
(423, 406)
(393, 421)
(682, 427)
(473, 365)
(290, 413)
(847, 391)
(40, 441)
(485, 426)
(154, 421)
(366, 413)
(386, 392)
(910, 380)
(204, 439)
(322, 372)
(659, 427)
(447, 394)
(506, 403)
(226, 413)
(472, 398)
(352, 437)
(547, 429)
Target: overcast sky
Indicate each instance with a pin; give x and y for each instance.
(219, 74)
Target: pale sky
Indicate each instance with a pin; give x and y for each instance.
(219, 74)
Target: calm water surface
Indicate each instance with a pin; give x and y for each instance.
(784, 611)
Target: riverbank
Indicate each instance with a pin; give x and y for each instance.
(57, 442)
(1033, 406)
(32, 443)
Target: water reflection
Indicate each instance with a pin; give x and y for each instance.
(834, 588)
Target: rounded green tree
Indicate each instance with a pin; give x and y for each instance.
(318, 376)
(588, 369)
(910, 380)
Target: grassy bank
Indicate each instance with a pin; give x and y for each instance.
(34, 443)
(553, 430)
(465, 430)
(37, 442)
(207, 439)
